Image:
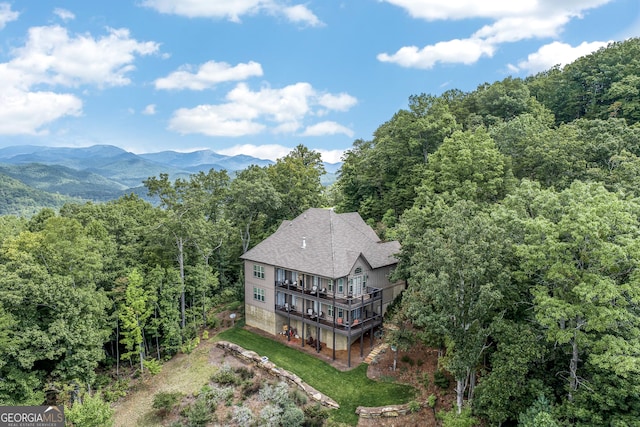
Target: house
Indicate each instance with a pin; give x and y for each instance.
(322, 277)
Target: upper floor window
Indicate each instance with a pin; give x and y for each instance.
(330, 286)
(258, 294)
(258, 271)
(340, 285)
(358, 270)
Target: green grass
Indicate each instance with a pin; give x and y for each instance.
(350, 389)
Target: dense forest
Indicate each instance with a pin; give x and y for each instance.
(517, 207)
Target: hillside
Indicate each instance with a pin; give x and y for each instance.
(17, 198)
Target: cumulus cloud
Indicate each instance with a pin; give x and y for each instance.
(64, 14)
(6, 14)
(208, 75)
(276, 151)
(465, 51)
(248, 112)
(267, 151)
(149, 110)
(302, 15)
(24, 112)
(53, 57)
(233, 10)
(512, 21)
(556, 53)
(327, 128)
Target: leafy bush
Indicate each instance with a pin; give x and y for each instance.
(244, 373)
(451, 418)
(153, 366)
(217, 395)
(407, 359)
(426, 380)
(164, 402)
(440, 379)
(90, 411)
(414, 406)
(190, 345)
(198, 414)
(299, 397)
(226, 376)
(251, 387)
(315, 415)
(242, 416)
(116, 390)
(270, 416)
(292, 416)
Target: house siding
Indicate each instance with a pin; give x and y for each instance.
(260, 314)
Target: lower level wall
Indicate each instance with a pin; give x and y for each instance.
(260, 318)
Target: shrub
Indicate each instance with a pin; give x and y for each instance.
(440, 379)
(299, 397)
(242, 416)
(292, 416)
(198, 414)
(190, 345)
(164, 402)
(315, 415)
(90, 411)
(116, 390)
(244, 373)
(407, 359)
(414, 406)
(226, 376)
(153, 366)
(251, 387)
(270, 416)
(425, 380)
(451, 418)
(216, 395)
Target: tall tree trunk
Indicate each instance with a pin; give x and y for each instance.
(573, 366)
(460, 386)
(118, 349)
(180, 244)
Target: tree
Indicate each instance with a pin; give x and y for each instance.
(580, 253)
(253, 198)
(90, 411)
(296, 177)
(133, 313)
(456, 274)
(468, 166)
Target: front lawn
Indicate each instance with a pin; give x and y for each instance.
(350, 389)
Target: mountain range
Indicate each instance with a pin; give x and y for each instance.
(34, 176)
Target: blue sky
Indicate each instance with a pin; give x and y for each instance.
(259, 77)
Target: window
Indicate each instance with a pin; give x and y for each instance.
(340, 313)
(258, 271)
(258, 294)
(331, 285)
(358, 270)
(330, 311)
(340, 285)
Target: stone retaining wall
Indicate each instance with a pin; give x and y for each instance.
(383, 411)
(263, 363)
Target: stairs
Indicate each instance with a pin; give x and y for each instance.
(374, 353)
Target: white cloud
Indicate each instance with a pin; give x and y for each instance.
(208, 75)
(24, 112)
(340, 102)
(64, 14)
(267, 151)
(248, 112)
(512, 21)
(301, 14)
(233, 9)
(331, 156)
(149, 110)
(466, 51)
(556, 53)
(52, 56)
(6, 14)
(276, 151)
(327, 128)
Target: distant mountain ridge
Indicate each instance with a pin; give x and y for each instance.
(106, 172)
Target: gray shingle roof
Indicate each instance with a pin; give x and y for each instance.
(323, 243)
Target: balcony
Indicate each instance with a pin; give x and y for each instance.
(343, 300)
(343, 327)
